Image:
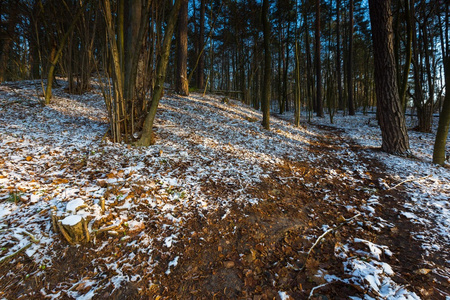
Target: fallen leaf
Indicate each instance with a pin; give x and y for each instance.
(423, 271)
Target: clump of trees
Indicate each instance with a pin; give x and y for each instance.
(318, 53)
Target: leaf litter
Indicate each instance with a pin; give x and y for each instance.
(217, 207)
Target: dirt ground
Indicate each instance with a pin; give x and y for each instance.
(254, 251)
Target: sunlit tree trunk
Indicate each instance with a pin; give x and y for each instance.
(391, 118)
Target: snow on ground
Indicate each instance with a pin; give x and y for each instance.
(427, 184)
(54, 157)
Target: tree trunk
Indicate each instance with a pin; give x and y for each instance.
(147, 137)
(267, 66)
(297, 100)
(444, 121)
(338, 55)
(444, 117)
(318, 64)
(54, 61)
(309, 76)
(390, 113)
(201, 61)
(351, 105)
(406, 68)
(182, 85)
(285, 70)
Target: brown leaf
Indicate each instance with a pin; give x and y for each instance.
(228, 264)
(423, 271)
(60, 181)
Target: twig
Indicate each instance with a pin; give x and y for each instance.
(317, 287)
(33, 239)
(4, 259)
(408, 180)
(107, 228)
(324, 234)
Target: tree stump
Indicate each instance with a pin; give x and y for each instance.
(72, 227)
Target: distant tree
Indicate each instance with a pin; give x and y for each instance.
(391, 117)
(182, 84)
(201, 42)
(54, 59)
(338, 54)
(267, 65)
(351, 103)
(319, 102)
(7, 35)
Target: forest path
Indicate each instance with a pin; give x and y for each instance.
(259, 251)
(427, 273)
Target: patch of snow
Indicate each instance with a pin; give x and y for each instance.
(172, 263)
(73, 205)
(71, 220)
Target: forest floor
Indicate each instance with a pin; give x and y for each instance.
(218, 208)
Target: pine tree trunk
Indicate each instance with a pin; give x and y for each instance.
(309, 76)
(406, 68)
(444, 121)
(267, 66)
(444, 117)
(351, 105)
(318, 64)
(201, 61)
(390, 112)
(182, 86)
(338, 55)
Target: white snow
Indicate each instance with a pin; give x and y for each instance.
(55, 156)
(71, 220)
(283, 295)
(172, 263)
(73, 205)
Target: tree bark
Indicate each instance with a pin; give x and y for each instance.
(338, 55)
(351, 103)
(406, 68)
(267, 66)
(444, 117)
(182, 85)
(391, 117)
(309, 74)
(201, 61)
(318, 64)
(444, 120)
